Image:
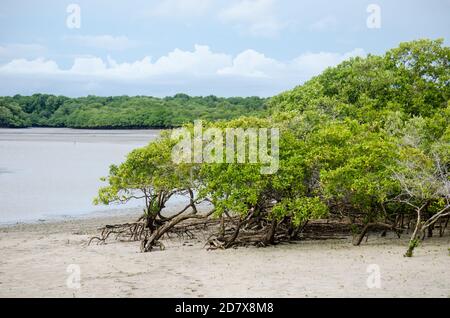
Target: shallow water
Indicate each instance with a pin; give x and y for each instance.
(48, 173)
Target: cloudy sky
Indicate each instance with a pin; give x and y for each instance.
(200, 47)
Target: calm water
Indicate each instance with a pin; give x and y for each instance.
(51, 173)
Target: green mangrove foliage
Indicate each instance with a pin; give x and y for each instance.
(149, 175)
(12, 115)
(366, 143)
(42, 110)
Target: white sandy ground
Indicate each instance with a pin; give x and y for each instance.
(34, 260)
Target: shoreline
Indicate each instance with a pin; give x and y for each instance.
(35, 260)
(77, 135)
(62, 218)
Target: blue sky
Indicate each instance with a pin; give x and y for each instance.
(200, 47)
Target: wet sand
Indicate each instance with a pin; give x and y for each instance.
(35, 259)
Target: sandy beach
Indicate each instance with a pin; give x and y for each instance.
(35, 258)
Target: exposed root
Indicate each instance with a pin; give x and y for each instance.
(126, 232)
(263, 233)
(232, 231)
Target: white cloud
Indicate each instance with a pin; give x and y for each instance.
(170, 8)
(202, 61)
(108, 42)
(252, 64)
(88, 65)
(199, 62)
(249, 73)
(255, 17)
(38, 66)
(312, 64)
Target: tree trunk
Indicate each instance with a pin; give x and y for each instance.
(148, 244)
(430, 231)
(362, 234)
(366, 228)
(414, 241)
(149, 222)
(270, 236)
(235, 235)
(222, 227)
(294, 232)
(443, 227)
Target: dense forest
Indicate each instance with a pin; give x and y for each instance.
(42, 110)
(366, 143)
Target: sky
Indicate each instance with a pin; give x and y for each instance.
(199, 47)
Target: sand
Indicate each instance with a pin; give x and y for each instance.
(35, 259)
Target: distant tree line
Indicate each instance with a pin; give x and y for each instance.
(41, 110)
